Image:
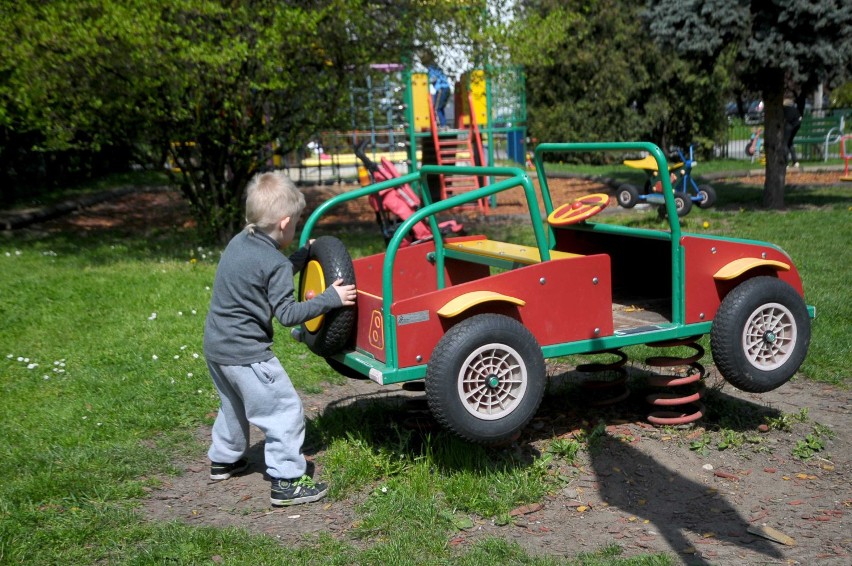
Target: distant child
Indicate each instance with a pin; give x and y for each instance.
(442, 93)
(253, 284)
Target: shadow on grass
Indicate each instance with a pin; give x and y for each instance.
(400, 422)
(628, 479)
(636, 484)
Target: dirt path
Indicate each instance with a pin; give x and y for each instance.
(642, 488)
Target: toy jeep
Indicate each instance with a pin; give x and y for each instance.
(439, 311)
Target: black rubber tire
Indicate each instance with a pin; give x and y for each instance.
(749, 355)
(683, 203)
(708, 196)
(627, 195)
(506, 365)
(338, 325)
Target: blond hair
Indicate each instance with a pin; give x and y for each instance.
(269, 198)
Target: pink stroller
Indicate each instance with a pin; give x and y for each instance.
(393, 206)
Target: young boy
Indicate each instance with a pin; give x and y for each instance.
(253, 284)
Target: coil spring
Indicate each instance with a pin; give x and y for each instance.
(681, 407)
(610, 383)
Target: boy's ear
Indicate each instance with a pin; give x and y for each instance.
(283, 223)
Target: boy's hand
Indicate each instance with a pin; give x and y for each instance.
(345, 292)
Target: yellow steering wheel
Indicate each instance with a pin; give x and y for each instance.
(578, 210)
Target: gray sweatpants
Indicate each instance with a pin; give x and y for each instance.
(260, 394)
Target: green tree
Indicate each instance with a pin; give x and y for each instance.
(215, 83)
(591, 76)
(779, 45)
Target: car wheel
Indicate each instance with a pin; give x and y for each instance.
(627, 195)
(683, 203)
(760, 334)
(486, 378)
(328, 261)
(708, 196)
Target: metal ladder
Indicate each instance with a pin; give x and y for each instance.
(461, 146)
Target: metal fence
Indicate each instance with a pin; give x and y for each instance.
(330, 159)
(741, 135)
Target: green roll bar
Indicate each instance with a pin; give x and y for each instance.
(514, 177)
(678, 277)
(544, 235)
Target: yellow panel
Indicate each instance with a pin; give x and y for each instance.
(648, 163)
(351, 159)
(506, 251)
(740, 266)
(464, 302)
(420, 100)
(479, 95)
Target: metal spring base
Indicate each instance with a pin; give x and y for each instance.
(687, 372)
(610, 385)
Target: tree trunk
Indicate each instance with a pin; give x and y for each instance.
(773, 132)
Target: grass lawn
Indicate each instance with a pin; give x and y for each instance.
(104, 388)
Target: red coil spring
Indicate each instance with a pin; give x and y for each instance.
(610, 385)
(686, 372)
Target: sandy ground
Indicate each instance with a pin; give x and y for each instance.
(642, 488)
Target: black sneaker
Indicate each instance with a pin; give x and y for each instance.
(296, 492)
(219, 472)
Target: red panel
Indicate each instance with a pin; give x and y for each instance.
(567, 306)
(705, 256)
(369, 333)
(414, 274)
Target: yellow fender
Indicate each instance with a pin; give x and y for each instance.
(463, 302)
(740, 266)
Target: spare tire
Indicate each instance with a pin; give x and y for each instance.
(327, 262)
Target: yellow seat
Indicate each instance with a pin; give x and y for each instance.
(527, 255)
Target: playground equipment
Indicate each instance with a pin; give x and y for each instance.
(489, 108)
(846, 156)
(686, 190)
(395, 205)
(475, 318)
(461, 146)
(390, 108)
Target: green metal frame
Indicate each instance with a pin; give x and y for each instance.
(389, 372)
(512, 177)
(673, 236)
(515, 177)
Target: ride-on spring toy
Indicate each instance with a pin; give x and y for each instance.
(475, 318)
(686, 190)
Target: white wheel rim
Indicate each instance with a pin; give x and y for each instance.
(492, 381)
(769, 336)
(624, 197)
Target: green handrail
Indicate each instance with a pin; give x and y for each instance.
(678, 276)
(515, 177)
(351, 195)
